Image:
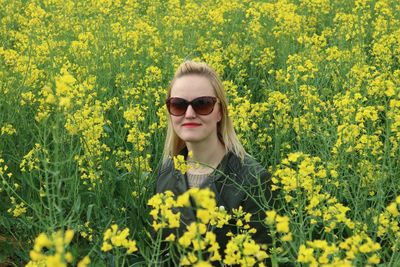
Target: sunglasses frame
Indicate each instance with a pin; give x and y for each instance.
(187, 103)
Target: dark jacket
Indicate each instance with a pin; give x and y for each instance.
(245, 184)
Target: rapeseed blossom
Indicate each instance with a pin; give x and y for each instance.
(242, 250)
(388, 220)
(162, 213)
(7, 129)
(51, 250)
(180, 164)
(84, 262)
(17, 209)
(115, 238)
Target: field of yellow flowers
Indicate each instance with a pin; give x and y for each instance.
(314, 93)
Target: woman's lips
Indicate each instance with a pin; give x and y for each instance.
(191, 125)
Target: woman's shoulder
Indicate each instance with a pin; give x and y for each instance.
(246, 164)
(166, 165)
(164, 177)
(252, 164)
(248, 168)
(249, 175)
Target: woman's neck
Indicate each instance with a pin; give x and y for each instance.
(209, 154)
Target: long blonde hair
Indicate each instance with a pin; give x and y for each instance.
(226, 134)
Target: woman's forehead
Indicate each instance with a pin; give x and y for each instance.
(192, 85)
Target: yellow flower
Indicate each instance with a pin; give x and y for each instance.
(36, 256)
(7, 129)
(270, 219)
(118, 239)
(55, 260)
(180, 164)
(202, 264)
(106, 247)
(42, 241)
(183, 200)
(392, 208)
(293, 157)
(286, 238)
(68, 257)
(56, 243)
(84, 262)
(204, 215)
(305, 255)
(185, 240)
(171, 237)
(69, 234)
(131, 246)
(282, 224)
(374, 259)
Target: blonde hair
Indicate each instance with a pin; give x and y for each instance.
(226, 134)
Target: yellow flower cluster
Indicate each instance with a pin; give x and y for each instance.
(114, 238)
(7, 129)
(83, 115)
(17, 209)
(129, 160)
(199, 238)
(134, 116)
(300, 173)
(394, 117)
(4, 168)
(278, 224)
(32, 160)
(162, 212)
(180, 164)
(87, 231)
(287, 20)
(361, 244)
(242, 219)
(50, 250)
(242, 250)
(259, 118)
(352, 250)
(388, 221)
(308, 122)
(89, 123)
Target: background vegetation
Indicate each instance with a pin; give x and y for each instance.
(314, 91)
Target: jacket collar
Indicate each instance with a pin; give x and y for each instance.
(229, 164)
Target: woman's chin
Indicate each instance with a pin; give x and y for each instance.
(191, 140)
(195, 137)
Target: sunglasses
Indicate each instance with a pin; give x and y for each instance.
(203, 105)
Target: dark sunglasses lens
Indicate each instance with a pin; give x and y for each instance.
(177, 106)
(203, 105)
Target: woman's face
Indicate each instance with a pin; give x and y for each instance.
(192, 127)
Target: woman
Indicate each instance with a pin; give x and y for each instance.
(198, 122)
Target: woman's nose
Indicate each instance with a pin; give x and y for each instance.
(190, 113)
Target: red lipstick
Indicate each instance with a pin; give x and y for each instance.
(191, 124)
